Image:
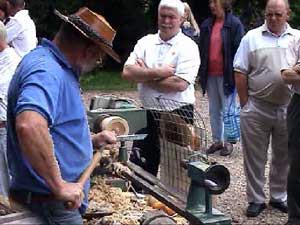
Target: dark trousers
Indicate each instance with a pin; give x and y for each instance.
(149, 148)
(293, 184)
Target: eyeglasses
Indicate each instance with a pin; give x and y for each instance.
(277, 15)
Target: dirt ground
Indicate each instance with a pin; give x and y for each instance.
(233, 202)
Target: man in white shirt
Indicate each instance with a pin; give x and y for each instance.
(8, 63)
(264, 98)
(165, 66)
(21, 31)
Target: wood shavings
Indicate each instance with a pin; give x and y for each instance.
(127, 208)
(118, 168)
(233, 201)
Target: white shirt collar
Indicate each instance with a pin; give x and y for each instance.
(287, 30)
(171, 42)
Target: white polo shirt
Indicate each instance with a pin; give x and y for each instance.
(21, 33)
(261, 56)
(8, 64)
(180, 51)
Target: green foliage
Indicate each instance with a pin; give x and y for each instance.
(127, 17)
(250, 12)
(134, 18)
(105, 80)
(42, 13)
(295, 17)
(200, 9)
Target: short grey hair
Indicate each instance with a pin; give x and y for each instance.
(3, 33)
(175, 4)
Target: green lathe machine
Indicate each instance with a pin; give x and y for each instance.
(187, 178)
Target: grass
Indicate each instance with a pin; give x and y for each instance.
(106, 81)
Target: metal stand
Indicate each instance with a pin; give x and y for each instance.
(123, 156)
(199, 201)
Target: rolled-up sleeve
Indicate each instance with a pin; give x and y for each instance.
(188, 63)
(13, 29)
(137, 53)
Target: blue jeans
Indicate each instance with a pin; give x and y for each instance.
(54, 213)
(217, 102)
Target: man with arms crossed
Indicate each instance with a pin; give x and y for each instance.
(164, 65)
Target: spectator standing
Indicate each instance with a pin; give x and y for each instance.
(164, 65)
(291, 75)
(8, 63)
(190, 27)
(219, 40)
(264, 98)
(21, 31)
(49, 140)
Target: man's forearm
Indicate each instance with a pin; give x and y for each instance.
(290, 76)
(170, 84)
(241, 83)
(139, 74)
(37, 147)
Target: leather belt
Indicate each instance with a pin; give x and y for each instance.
(27, 197)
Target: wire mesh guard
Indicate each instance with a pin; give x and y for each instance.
(182, 138)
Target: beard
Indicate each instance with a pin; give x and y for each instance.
(88, 66)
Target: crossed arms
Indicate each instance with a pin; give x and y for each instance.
(291, 76)
(161, 78)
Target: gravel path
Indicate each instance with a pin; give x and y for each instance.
(233, 202)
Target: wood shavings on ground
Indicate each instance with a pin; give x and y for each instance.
(127, 208)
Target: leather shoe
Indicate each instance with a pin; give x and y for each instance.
(281, 206)
(254, 209)
(214, 147)
(227, 149)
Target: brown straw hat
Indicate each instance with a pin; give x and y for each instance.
(94, 27)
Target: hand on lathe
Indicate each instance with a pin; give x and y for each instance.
(104, 138)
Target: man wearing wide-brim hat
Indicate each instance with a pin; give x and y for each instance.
(48, 136)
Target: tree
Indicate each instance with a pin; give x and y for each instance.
(42, 13)
(127, 17)
(295, 17)
(134, 18)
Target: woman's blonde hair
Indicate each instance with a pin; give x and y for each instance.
(190, 18)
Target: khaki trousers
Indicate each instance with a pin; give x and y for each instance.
(264, 124)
